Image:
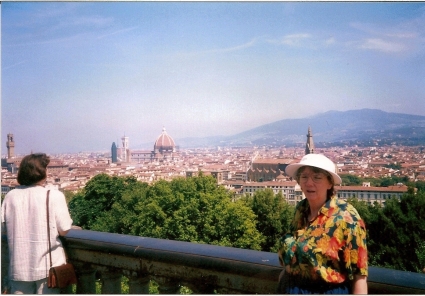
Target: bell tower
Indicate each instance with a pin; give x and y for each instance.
(309, 146)
(125, 152)
(10, 144)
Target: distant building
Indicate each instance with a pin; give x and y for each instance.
(6, 187)
(219, 175)
(164, 146)
(11, 163)
(141, 156)
(309, 146)
(10, 144)
(240, 176)
(164, 149)
(287, 188)
(123, 153)
(114, 153)
(57, 166)
(290, 190)
(371, 194)
(262, 170)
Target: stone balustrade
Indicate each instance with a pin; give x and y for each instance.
(205, 269)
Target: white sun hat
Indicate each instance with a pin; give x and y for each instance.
(314, 160)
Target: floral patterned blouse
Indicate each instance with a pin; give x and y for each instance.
(332, 247)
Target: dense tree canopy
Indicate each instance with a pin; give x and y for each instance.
(396, 232)
(99, 196)
(187, 209)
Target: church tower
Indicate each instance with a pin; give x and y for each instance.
(124, 150)
(309, 146)
(10, 144)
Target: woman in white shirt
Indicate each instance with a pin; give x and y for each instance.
(24, 221)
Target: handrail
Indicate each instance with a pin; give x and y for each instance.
(227, 268)
(232, 270)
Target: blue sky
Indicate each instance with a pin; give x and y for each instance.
(76, 76)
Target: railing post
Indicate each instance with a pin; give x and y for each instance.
(111, 281)
(86, 279)
(167, 286)
(138, 284)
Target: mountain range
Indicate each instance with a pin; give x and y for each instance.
(364, 127)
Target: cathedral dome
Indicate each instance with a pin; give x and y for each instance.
(164, 142)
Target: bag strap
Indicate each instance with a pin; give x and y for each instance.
(48, 227)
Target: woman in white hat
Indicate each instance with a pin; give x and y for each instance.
(324, 250)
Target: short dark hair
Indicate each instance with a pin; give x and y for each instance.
(33, 168)
(331, 192)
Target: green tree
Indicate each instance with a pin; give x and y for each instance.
(97, 198)
(197, 210)
(186, 209)
(390, 181)
(420, 252)
(362, 208)
(274, 215)
(420, 185)
(69, 195)
(350, 180)
(395, 232)
(124, 212)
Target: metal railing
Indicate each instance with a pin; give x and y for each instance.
(203, 268)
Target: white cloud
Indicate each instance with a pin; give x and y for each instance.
(238, 47)
(295, 39)
(249, 44)
(383, 45)
(403, 37)
(305, 40)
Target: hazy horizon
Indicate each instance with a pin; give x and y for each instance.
(77, 76)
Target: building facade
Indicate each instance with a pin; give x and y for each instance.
(164, 150)
(290, 190)
(263, 170)
(371, 194)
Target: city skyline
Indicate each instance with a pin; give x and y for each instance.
(77, 76)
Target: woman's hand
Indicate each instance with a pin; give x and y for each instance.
(63, 233)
